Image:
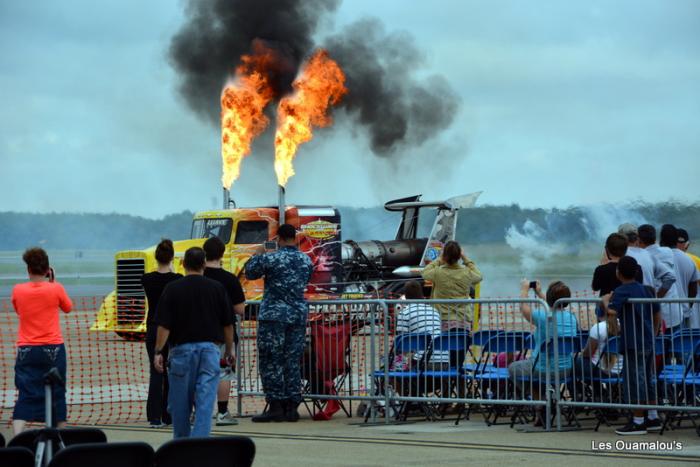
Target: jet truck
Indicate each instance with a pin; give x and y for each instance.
(342, 268)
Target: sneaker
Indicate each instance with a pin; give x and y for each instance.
(156, 424)
(632, 429)
(653, 425)
(225, 419)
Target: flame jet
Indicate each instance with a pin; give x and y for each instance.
(242, 105)
(320, 85)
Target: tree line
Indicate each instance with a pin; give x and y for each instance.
(483, 224)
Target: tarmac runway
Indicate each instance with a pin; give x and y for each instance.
(346, 442)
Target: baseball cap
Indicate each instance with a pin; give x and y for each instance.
(683, 236)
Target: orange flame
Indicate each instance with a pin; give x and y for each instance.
(242, 104)
(320, 85)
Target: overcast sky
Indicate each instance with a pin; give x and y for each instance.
(561, 103)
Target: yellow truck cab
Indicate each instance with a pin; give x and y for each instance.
(243, 231)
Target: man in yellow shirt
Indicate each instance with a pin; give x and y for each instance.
(683, 245)
(452, 280)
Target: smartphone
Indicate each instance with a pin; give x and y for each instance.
(533, 285)
(270, 246)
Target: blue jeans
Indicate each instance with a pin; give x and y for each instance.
(193, 374)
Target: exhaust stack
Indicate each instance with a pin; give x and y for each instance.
(227, 198)
(281, 205)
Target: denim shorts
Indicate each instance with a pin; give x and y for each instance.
(638, 372)
(33, 362)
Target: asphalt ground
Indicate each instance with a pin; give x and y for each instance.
(348, 442)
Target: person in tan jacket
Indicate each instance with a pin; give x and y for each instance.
(452, 280)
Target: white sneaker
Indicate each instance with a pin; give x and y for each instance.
(225, 419)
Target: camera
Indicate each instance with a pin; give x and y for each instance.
(51, 274)
(533, 285)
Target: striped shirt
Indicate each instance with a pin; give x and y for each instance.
(421, 318)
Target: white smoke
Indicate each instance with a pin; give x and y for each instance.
(533, 245)
(565, 231)
(602, 220)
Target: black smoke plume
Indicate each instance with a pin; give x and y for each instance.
(208, 47)
(385, 97)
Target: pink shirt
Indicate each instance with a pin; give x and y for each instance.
(37, 305)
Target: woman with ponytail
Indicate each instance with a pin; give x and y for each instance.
(153, 284)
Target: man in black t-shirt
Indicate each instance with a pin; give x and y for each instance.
(605, 278)
(194, 317)
(214, 249)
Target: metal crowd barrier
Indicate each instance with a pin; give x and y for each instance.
(354, 353)
(632, 370)
(343, 345)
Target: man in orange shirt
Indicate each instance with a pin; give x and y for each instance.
(39, 341)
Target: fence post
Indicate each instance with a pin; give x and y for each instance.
(239, 378)
(372, 351)
(555, 364)
(385, 358)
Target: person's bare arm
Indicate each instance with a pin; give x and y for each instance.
(161, 339)
(590, 349)
(657, 319)
(228, 341)
(610, 316)
(525, 308)
(239, 309)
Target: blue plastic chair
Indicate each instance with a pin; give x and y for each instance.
(448, 342)
(408, 343)
(403, 344)
(486, 375)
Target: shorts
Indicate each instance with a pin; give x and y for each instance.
(33, 362)
(638, 372)
(226, 373)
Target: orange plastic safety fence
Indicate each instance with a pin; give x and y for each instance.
(107, 376)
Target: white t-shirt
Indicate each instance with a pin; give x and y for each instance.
(599, 333)
(686, 272)
(421, 318)
(645, 262)
(663, 261)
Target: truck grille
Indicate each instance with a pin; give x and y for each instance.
(131, 298)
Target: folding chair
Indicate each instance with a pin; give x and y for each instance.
(16, 457)
(406, 381)
(676, 383)
(135, 454)
(487, 376)
(329, 363)
(70, 436)
(479, 338)
(566, 346)
(227, 451)
(610, 383)
(450, 378)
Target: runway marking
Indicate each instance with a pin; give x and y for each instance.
(431, 444)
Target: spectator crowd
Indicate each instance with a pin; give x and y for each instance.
(191, 335)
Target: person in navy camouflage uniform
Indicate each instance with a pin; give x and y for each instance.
(281, 324)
